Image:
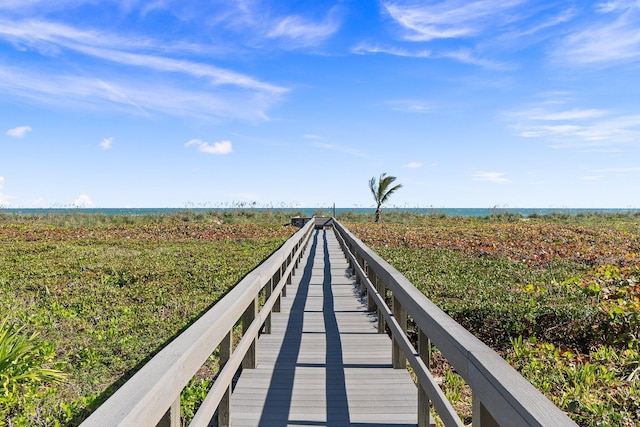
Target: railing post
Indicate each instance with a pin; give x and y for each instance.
(224, 409)
(172, 417)
(278, 277)
(424, 405)
(480, 416)
(373, 278)
(363, 286)
(250, 360)
(268, 290)
(399, 360)
(274, 283)
(382, 290)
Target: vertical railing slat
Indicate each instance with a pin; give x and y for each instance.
(172, 417)
(251, 358)
(480, 416)
(371, 302)
(399, 360)
(224, 409)
(424, 405)
(382, 291)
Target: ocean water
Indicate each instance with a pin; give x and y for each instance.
(462, 212)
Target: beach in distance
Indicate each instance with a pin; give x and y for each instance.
(461, 212)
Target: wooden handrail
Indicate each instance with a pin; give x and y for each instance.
(501, 395)
(151, 397)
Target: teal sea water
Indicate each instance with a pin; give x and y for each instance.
(463, 212)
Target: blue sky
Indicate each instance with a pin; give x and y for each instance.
(172, 103)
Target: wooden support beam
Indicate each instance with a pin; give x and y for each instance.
(224, 409)
(382, 291)
(268, 289)
(480, 416)
(250, 360)
(424, 405)
(399, 360)
(172, 416)
(371, 302)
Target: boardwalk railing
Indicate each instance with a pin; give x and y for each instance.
(501, 396)
(152, 396)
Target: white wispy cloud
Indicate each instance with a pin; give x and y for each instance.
(452, 19)
(52, 36)
(599, 174)
(299, 31)
(539, 113)
(619, 170)
(83, 201)
(414, 165)
(222, 147)
(201, 89)
(71, 91)
(18, 132)
(17, 5)
(106, 143)
(497, 177)
(554, 20)
(410, 106)
(613, 38)
(578, 128)
(468, 56)
(340, 148)
(365, 48)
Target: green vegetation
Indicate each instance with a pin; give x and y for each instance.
(23, 374)
(89, 298)
(558, 297)
(105, 294)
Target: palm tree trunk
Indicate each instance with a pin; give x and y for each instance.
(378, 213)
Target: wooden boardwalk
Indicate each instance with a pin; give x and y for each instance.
(324, 364)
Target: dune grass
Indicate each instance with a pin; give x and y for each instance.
(556, 295)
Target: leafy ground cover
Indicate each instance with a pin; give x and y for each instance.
(559, 298)
(94, 298)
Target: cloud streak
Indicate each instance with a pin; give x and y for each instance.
(445, 20)
(18, 132)
(301, 32)
(138, 88)
(365, 48)
(577, 128)
(51, 37)
(614, 38)
(106, 143)
(83, 201)
(222, 147)
(496, 177)
(410, 106)
(72, 91)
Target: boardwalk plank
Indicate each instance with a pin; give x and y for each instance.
(324, 364)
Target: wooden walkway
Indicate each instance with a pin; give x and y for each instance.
(324, 364)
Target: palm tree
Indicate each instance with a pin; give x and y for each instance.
(381, 191)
